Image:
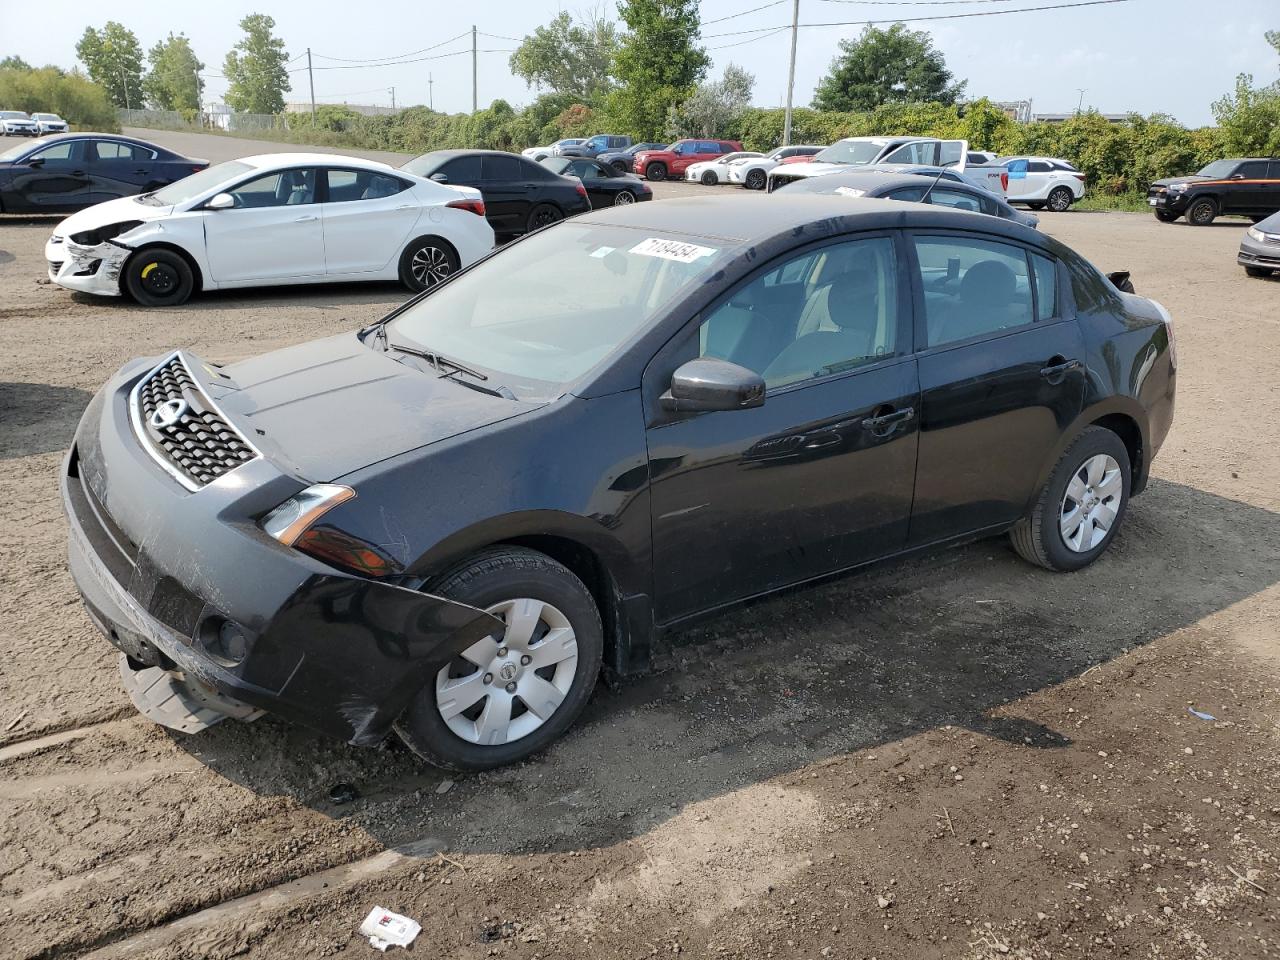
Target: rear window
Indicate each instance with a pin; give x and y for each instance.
(501, 168)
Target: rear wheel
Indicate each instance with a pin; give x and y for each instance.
(1202, 212)
(1060, 199)
(755, 180)
(158, 278)
(1080, 507)
(426, 262)
(709, 178)
(623, 197)
(656, 170)
(1166, 216)
(543, 215)
(513, 693)
(1258, 271)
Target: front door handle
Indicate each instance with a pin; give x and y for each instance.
(883, 424)
(1058, 368)
(304, 219)
(405, 206)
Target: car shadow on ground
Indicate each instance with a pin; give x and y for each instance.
(38, 418)
(309, 295)
(953, 638)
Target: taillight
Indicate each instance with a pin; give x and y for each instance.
(1079, 176)
(1168, 326)
(1004, 181)
(471, 206)
(582, 191)
(196, 169)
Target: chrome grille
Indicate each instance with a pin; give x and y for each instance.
(182, 428)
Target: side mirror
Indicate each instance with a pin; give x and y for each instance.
(440, 178)
(36, 162)
(711, 384)
(1017, 169)
(1121, 281)
(220, 201)
(1237, 176)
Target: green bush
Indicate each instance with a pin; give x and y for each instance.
(72, 96)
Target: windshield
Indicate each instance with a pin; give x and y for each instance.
(13, 115)
(45, 116)
(188, 188)
(1219, 168)
(851, 151)
(543, 312)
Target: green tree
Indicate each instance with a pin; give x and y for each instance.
(569, 58)
(174, 80)
(73, 96)
(1250, 119)
(896, 65)
(113, 58)
(14, 63)
(716, 105)
(658, 63)
(255, 68)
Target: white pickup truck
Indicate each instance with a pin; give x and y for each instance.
(897, 154)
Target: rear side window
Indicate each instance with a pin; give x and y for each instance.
(910, 194)
(462, 170)
(110, 150)
(972, 287)
(347, 185)
(955, 199)
(1046, 274)
(501, 168)
(1038, 166)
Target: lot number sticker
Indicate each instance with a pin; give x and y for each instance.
(672, 250)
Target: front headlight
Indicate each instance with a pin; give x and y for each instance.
(1176, 187)
(1262, 236)
(91, 238)
(291, 519)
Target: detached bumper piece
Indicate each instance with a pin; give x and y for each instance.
(182, 703)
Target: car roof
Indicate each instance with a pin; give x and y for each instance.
(91, 135)
(264, 160)
(752, 219)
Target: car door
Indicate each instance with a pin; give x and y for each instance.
(367, 217)
(1248, 192)
(117, 169)
(509, 194)
(273, 232)
(54, 178)
(819, 477)
(1001, 378)
(600, 189)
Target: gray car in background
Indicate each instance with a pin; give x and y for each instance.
(1260, 249)
(623, 159)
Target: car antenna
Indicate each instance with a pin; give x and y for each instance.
(932, 185)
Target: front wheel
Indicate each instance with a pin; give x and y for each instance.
(158, 278)
(709, 179)
(755, 180)
(621, 167)
(1258, 271)
(426, 262)
(1080, 507)
(543, 215)
(1202, 212)
(511, 694)
(656, 171)
(1060, 199)
(1166, 216)
(1036, 205)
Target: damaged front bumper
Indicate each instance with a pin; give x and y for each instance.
(162, 569)
(93, 269)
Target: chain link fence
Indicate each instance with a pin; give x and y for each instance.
(222, 120)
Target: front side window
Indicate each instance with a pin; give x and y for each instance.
(59, 151)
(972, 287)
(285, 188)
(916, 153)
(1255, 170)
(823, 312)
(909, 194)
(345, 185)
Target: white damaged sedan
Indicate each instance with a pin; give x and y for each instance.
(282, 218)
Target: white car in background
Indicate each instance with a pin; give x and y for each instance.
(50, 123)
(754, 174)
(1050, 182)
(282, 218)
(538, 154)
(15, 123)
(712, 172)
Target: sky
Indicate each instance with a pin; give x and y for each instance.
(1146, 56)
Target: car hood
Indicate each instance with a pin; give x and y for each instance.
(112, 211)
(1169, 181)
(325, 408)
(820, 169)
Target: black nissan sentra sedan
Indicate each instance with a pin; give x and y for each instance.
(444, 524)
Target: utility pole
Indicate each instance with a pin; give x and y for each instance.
(311, 80)
(791, 71)
(393, 98)
(1080, 102)
(475, 100)
(125, 80)
(431, 103)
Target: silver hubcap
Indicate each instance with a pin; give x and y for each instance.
(622, 198)
(429, 265)
(505, 687)
(1059, 201)
(1090, 505)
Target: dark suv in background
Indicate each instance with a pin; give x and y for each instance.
(594, 146)
(1244, 185)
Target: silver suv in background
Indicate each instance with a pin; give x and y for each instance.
(15, 123)
(50, 123)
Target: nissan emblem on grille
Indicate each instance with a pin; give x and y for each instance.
(183, 429)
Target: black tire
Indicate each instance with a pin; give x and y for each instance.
(488, 579)
(756, 180)
(1258, 271)
(1258, 218)
(156, 277)
(1060, 199)
(543, 215)
(709, 178)
(1202, 212)
(1167, 216)
(621, 166)
(426, 262)
(656, 171)
(1036, 204)
(1038, 537)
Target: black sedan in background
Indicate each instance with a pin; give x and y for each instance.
(624, 160)
(71, 171)
(606, 186)
(444, 524)
(519, 194)
(947, 190)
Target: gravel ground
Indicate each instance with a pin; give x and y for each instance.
(959, 757)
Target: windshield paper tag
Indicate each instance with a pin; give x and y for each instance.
(601, 252)
(850, 191)
(672, 250)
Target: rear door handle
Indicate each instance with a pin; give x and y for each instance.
(1058, 368)
(405, 206)
(304, 219)
(889, 420)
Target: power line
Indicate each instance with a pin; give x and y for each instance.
(914, 3)
(940, 16)
(766, 6)
(764, 36)
(496, 36)
(398, 56)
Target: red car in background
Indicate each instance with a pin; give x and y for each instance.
(799, 158)
(660, 164)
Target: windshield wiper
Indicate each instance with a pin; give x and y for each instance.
(437, 359)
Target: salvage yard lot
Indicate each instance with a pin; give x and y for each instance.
(963, 756)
